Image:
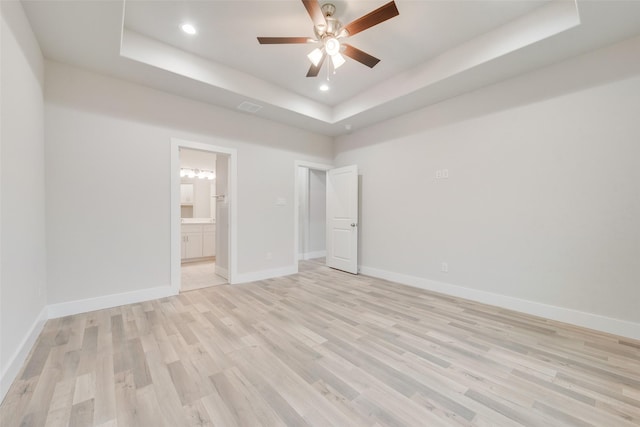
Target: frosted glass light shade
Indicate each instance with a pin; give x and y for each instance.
(337, 60)
(332, 45)
(315, 56)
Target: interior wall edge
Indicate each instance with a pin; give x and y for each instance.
(571, 316)
(17, 360)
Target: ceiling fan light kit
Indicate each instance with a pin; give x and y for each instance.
(331, 45)
(315, 56)
(329, 32)
(337, 60)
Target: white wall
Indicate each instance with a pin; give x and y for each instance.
(22, 224)
(542, 202)
(97, 127)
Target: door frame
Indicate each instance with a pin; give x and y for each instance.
(176, 144)
(296, 201)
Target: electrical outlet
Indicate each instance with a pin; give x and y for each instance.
(444, 267)
(268, 256)
(445, 173)
(438, 174)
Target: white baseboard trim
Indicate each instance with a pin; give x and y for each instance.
(220, 271)
(265, 274)
(53, 311)
(567, 315)
(108, 301)
(16, 361)
(314, 255)
(311, 255)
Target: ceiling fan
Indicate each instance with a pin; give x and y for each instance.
(331, 33)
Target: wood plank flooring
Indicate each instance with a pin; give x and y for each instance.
(322, 348)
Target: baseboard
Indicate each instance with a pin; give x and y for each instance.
(16, 361)
(265, 274)
(108, 301)
(311, 255)
(567, 315)
(221, 271)
(201, 259)
(314, 255)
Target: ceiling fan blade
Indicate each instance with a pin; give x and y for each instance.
(379, 15)
(315, 69)
(313, 8)
(360, 56)
(284, 40)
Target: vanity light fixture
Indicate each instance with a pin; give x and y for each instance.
(197, 173)
(187, 173)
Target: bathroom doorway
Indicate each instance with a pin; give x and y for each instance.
(202, 215)
(200, 194)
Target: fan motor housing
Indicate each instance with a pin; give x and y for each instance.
(328, 9)
(330, 32)
(332, 26)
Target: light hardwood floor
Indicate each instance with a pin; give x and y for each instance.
(322, 348)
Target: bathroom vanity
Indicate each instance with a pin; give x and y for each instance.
(198, 239)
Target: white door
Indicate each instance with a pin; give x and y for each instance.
(342, 218)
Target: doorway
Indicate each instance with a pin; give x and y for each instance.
(201, 194)
(341, 201)
(310, 214)
(203, 206)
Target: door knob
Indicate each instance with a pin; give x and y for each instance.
(353, 224)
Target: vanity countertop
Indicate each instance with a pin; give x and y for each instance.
(197, 221)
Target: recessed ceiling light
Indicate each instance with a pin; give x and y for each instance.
(188, 28)
(324, 87)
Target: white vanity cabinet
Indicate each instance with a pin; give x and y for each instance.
(198, 241)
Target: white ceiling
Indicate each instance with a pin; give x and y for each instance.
(228, 33)
(432, 51)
